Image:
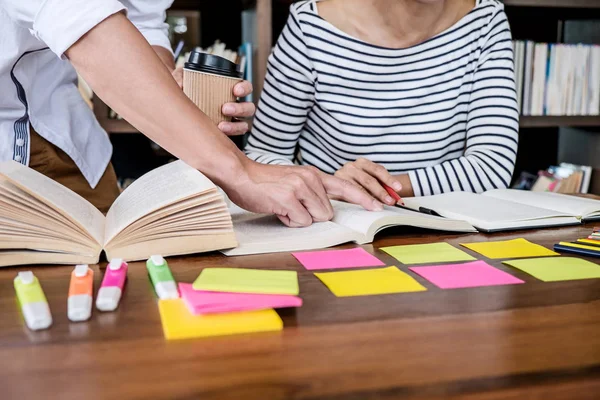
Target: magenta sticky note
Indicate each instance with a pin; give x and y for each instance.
(201, 302)
(472, 274)
(334, 259)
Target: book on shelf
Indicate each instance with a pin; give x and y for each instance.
(557, 79)
(171, 210)
(565, 178)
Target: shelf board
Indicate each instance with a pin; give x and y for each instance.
(554, 3)
(551, 121)
(116, 126)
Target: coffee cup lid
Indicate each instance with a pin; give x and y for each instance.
(212, 64)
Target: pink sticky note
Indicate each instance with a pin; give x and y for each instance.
(473, 274)
(201, 302)
(334, 259)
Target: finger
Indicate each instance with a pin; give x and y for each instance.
(373, 186)
(233, 128)
(312, 177)
(382, 174)
(178, 76)
(242, 89)
(351, 193)
(293, 213)
(319, 210)
(239, 110)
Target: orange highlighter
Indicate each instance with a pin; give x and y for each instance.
(81, 289)
(393, 193)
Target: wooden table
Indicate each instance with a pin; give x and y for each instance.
(533, 341)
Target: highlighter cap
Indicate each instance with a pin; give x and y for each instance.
(211, 64)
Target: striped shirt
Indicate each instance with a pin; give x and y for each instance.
(443, 111)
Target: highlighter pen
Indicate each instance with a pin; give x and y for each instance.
(81, 290)
(161, 278)
(112, 285)
(33, 301)
(393, 193)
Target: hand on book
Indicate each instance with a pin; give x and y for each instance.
(297, 195)
(233, 110)
(370, 176)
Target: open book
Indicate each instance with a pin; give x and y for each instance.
(259, 234)
(171, 210)
(507, 209)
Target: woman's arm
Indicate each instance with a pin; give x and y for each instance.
(492, 124)
(286, 99)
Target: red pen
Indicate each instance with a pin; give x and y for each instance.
(393, 193)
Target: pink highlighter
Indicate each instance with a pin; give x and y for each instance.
(112, 285)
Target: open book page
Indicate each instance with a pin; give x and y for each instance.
(68, 203)
(576, 206)
(156, 189)
(369, 223)
(487, 212)
(257, 234)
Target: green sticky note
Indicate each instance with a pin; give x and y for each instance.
(241, 280)
(427, 253)
(553, 269)
(369, 282)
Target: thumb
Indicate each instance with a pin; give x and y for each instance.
(346, 191)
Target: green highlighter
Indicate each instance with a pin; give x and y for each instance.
(162, 279)
(33, 301)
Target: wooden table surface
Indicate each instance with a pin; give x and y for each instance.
(532, 341)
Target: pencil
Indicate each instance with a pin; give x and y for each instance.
(393, 193)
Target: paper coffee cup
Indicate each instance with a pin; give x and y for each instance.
(208, 81)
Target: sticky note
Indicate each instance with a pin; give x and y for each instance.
(369, 281)
(201, 302)
(516, 248)
(333, 259)
(473, 274)
(427, 253)
(241, 280)
(552, 269)
(179, 323)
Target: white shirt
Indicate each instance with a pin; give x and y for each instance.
(38, 85)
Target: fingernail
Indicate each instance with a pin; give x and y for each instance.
(228, 109)
(377, 206)
(226, 128)
(397, 186)
(238, 91)
(389, 200)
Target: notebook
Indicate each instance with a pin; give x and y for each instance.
(259, 234)
(171, 210)
(508, 209)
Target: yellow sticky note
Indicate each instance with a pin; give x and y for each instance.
(179, 323)
(516, 248)
(427, 253)
(552, 269)
(242, 280)
(369, 281)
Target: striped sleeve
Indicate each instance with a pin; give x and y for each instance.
(287, 97)
(492, 124)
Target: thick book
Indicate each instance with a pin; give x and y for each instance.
(509, 209)
(258, 234)
(171, 210)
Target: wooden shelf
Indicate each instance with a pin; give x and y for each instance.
(554, 3)
(550, 121)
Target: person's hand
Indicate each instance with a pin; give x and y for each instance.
(233, 110)
(297, 195)
(370, 176)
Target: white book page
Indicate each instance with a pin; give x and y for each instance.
(258, 233)
(157, 189)
(575, 206)
(481, 211)
(65, 201)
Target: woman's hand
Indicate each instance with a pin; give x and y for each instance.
(370, 176)
(233, 110)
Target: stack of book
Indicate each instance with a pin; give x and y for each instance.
(564, 178)
(557, 79)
